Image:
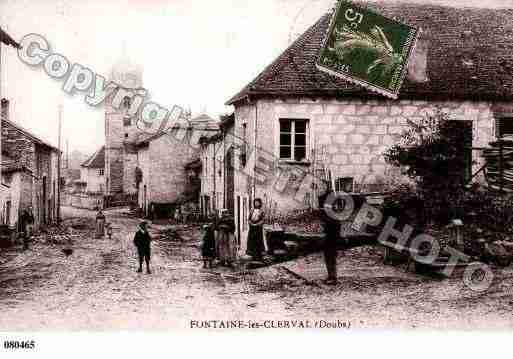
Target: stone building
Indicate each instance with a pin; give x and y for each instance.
(121, 130)
(5, 203)
(29, 172)
(92, 172)
(298, 121)
(221, 150)
(161, 162)
(217, 176)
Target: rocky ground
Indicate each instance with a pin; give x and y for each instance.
(97, 287)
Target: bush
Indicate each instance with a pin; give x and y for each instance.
(432, 153)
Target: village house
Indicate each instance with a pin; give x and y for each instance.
(161, 175)
(140, 168)
(5, 202)
(121, 132)
(29, 172)
(217, 175)
(301, 124)
(92, 173)
(218, 172)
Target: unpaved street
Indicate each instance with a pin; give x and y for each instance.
(97, 287)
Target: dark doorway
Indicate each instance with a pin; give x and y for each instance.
(460, 134)
(7, 213)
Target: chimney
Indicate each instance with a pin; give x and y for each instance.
(5, 109)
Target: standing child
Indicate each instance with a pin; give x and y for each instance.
(142, 241)
(208, 248)
(225, 239)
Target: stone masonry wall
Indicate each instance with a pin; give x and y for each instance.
(38, 159)
(143, 161)
(167, 176)
(19, 147)
(43, 211)
(355, 134)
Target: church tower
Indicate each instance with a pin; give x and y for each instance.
(121, 130)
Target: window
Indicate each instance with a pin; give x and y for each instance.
(101, 172)
(293, 139)
(504, 127)
(344, 184)
(127, 101)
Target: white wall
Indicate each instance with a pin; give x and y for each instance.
(95, 181)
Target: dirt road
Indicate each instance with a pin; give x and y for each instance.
(97, 288)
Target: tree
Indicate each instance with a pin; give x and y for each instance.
(434, 153)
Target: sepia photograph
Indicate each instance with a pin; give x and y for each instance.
(278, 167)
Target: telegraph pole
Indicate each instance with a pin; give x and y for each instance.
(59, 169)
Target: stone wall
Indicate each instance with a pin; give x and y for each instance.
(165, 175)
(41, 161)
(19, 147)
(214, 170)
(120, 160)
(143, 160)
(82, 200)
(355, 134)
(129, 166)
(114, 170)
(44, 211)
(95, 182)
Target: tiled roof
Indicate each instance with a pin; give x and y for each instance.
(202, 123)
(470, 56)
(227, 120)
(97, 160)
(28, 134)
(203, 118)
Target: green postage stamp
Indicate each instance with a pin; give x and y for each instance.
(366, 48)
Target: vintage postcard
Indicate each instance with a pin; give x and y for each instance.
(172, 170)
(368, 49)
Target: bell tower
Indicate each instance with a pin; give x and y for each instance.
(121, 129)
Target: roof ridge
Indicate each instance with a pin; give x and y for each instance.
(93, 157)
(276, 61)
(27, 133)
(451, 33)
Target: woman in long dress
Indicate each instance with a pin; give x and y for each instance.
(256, 245)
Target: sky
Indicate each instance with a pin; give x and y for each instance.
(194, 53)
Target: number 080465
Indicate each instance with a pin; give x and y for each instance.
(15, 344)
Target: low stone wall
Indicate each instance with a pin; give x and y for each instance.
(82, 200)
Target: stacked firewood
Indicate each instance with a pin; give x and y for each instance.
(499, 169)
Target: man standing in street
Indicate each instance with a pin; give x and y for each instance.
(142, 241)
(331, 227)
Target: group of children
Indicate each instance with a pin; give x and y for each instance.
(219, 241)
